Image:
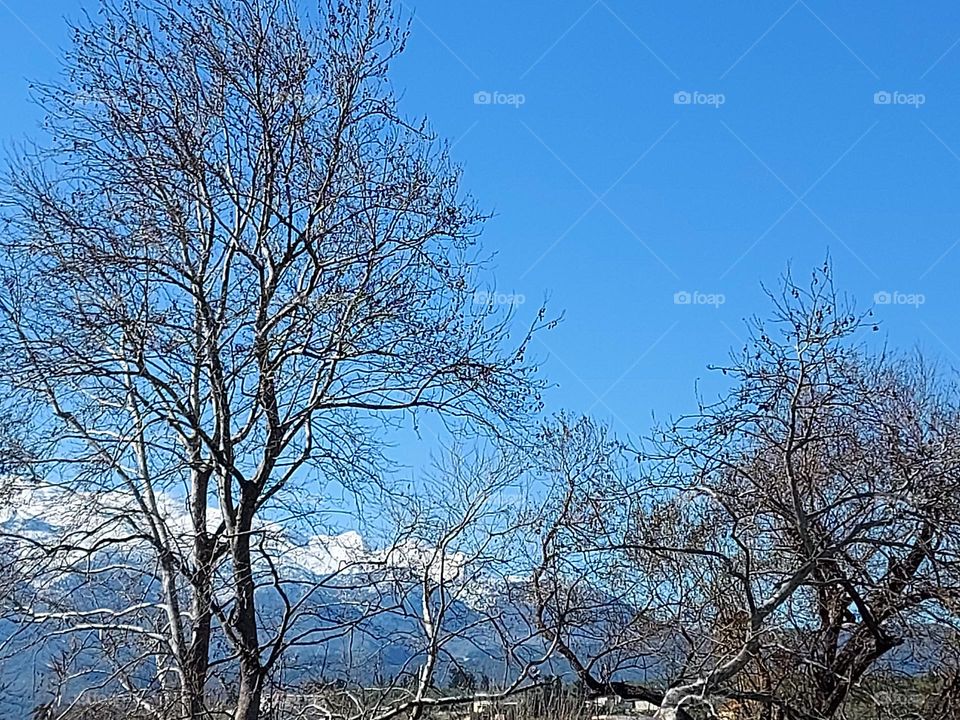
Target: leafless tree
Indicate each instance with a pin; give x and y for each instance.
(773, 548)
(231, 258)
(454, 536)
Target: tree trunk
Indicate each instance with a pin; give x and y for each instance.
(245, 615)
(198, 657)
(198, 653)
(249, 694)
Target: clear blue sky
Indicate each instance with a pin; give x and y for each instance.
(610, 197)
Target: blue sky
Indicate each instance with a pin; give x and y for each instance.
(805, 127)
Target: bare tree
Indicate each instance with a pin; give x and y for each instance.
(777, 545)
(444, 576)
(231, 258)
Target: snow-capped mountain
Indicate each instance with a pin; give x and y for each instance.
(358, 607)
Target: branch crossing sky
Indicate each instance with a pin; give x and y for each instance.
(651, 163)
